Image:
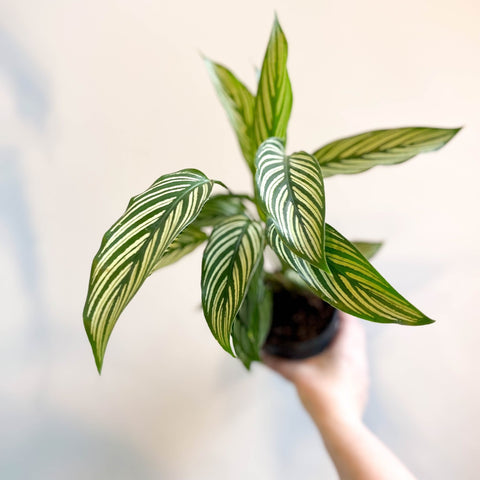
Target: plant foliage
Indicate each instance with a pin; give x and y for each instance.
(231, 256)
(178, 213)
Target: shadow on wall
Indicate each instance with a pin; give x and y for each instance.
(29, 87)
(27, 96)
(19, 239)
(37, 442)
(30, 96)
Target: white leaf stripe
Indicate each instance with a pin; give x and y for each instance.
(380, 147)
(273, 102)
(291, 189)
(238, 103)
(133, 246)
(233, 251)
(353, 285)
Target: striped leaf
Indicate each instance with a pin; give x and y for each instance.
(239, 104)
(231, 256)
(253, 320)
(368, 249)
(191, 238)
(273, 102)
(217, 208)
(380, 147)
(353, 286)
(134, 246)
(291, 189)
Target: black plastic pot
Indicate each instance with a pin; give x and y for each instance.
(303, 325)
(306, 348)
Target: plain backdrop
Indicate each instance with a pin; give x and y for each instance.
(97, 100)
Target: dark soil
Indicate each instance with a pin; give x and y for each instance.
(298, 315)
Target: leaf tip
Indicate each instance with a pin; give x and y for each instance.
(323, 265)
(276, 27)
(204, 57)
(426, 321)
(423, 320)
(452, 132)
(97, 354)
(98, 362)
(228, 348)
(209, 64)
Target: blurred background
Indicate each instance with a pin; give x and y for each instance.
(97, 100)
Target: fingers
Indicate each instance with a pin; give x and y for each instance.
(275, 363)
(284, 367)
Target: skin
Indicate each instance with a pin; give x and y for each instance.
(333, 388)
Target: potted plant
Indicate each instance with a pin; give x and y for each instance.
(318, 269)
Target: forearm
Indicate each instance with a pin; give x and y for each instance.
(333, 388)
(356, 451)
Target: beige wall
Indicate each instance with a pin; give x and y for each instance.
(98, 99)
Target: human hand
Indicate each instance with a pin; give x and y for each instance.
(333, 384)
(333, 387)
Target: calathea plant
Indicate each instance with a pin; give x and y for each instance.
(286, 213)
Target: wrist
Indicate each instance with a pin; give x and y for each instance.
(337, 420)
(331, 410)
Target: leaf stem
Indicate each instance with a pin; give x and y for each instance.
(243, 196)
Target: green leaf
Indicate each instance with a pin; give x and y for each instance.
(273, 102)
(231, 256)
(380, 147)
(368, 249)
(353, 286)
(253, 320)
(133, 247)
(238, 103)
(291, 189)
(217, 208)
(191, 238)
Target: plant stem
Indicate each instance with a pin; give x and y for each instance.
(243, 196)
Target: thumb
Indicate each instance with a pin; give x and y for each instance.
(285, 368)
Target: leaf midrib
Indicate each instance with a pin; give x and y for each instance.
(238, 242)
(142, 248)
(286, 161)
(151, 228)
(380, 148)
